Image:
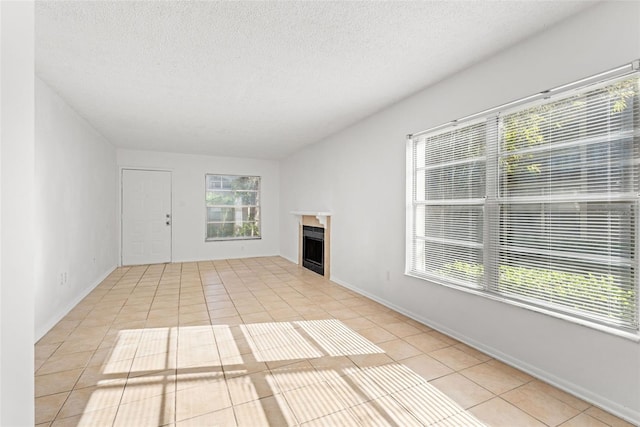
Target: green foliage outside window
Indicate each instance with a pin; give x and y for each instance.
(589, 290)
(532, 127)
(233, 207)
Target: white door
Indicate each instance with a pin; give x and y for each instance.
(146, 217)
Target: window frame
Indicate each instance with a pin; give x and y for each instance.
(494, 202)
(257, 206)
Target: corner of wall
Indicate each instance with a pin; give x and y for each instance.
(17, 213)
(41, 330)
(75, 182)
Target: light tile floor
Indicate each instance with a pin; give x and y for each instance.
(261, 341)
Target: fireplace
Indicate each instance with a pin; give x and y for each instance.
(313, 248)
(314, 241)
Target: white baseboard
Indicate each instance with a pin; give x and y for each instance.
(623, 412)
(41, 331)
(222, 258)
(289, 259)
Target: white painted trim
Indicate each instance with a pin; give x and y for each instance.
(289, 259)
(144, 168)
(320, 216)
(222, 258)
(633, 336)
(58, 317)
(623, 412)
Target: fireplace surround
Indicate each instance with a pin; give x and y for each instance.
(314, 241)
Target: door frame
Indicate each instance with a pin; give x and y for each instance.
(120, 206)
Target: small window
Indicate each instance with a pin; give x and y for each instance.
(232, 207)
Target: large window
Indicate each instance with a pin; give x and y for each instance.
(232, 207)
(536, 204)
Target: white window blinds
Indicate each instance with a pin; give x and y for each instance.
(568, 198)
(538, 204)
(448, 198)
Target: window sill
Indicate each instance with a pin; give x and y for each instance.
(229, 239)
(632, 336)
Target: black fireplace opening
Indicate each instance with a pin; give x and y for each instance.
(313, 248)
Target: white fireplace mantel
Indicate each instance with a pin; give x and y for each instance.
(320, 216)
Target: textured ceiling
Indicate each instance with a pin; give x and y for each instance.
(261, 79)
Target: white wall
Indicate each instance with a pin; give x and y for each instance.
(76, 221)
(188, 210)
(359, 175)
(16, 213)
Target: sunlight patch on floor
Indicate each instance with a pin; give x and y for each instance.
(192, 360)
